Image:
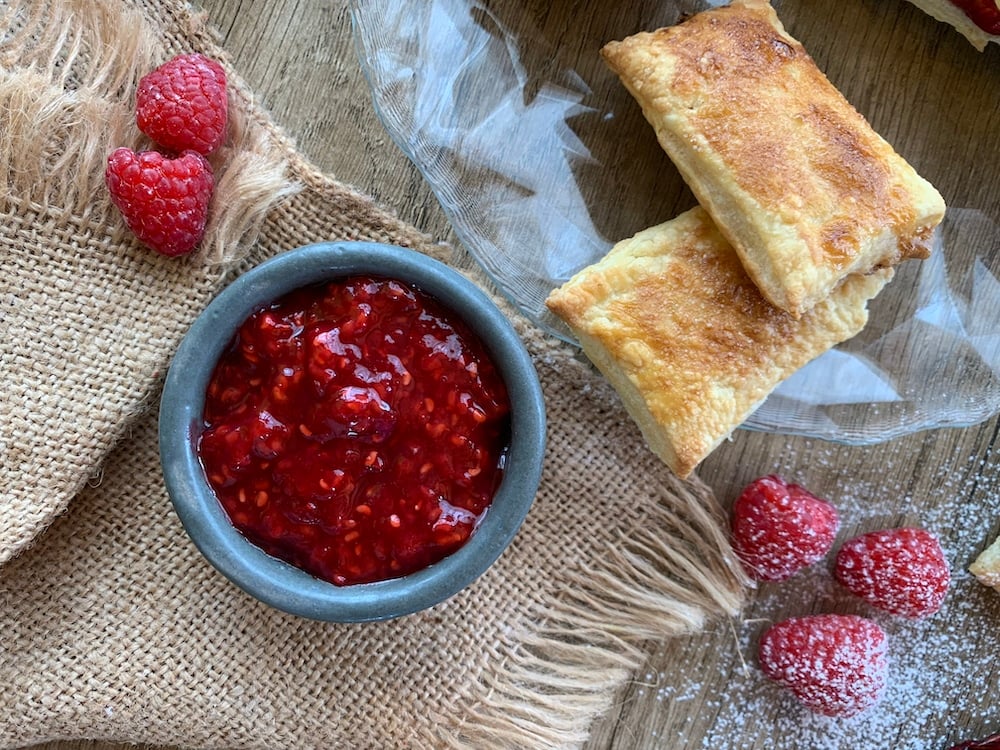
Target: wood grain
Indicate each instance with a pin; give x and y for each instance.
(922, 87)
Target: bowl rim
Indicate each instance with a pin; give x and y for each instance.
(272, 580)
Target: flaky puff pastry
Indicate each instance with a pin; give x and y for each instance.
(674, 323)
(794, 177)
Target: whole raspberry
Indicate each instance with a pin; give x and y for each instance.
(182, 104)
(779, 528)
(834, 664)
(164, 201)
(901, 571)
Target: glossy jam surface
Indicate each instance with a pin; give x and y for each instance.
(355, 429)
(984, 13)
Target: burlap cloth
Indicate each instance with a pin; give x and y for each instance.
(112, 625)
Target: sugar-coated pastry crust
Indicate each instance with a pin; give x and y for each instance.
(674, 323)
(987, 566)
(794, 177)
(947, 12)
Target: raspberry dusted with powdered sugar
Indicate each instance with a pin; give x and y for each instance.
(901, 571)
(834, 664)
(779, 528)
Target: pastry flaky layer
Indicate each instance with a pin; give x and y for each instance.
(674, 323)
(794, 177)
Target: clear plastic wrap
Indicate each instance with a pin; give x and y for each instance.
(518, 128)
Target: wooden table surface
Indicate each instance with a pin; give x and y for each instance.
(937, 99)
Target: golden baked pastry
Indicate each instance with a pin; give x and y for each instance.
(948, 12)
(674, 323)
(793, 176)
(987, 566)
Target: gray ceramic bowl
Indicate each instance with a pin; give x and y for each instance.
(274, 581)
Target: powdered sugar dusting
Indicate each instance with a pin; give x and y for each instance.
(902, 570)
(835, 664)
(937, 692)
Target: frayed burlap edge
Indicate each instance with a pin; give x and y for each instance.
(564, 673)
(71, 269)
(666, 578)
(69, 97)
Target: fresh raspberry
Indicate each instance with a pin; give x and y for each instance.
(182, 104)
(779, 528)
(164, 201)
(901, 571)
(835, 664)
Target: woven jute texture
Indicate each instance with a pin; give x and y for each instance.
(112, 625)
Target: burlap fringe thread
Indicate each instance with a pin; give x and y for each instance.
(547, 686)
(666, 578)
(68, 73)
(69, 100)
(565, 674)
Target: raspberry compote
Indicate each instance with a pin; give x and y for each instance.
(356, 429)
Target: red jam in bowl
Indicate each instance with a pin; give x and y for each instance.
(355, 429)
